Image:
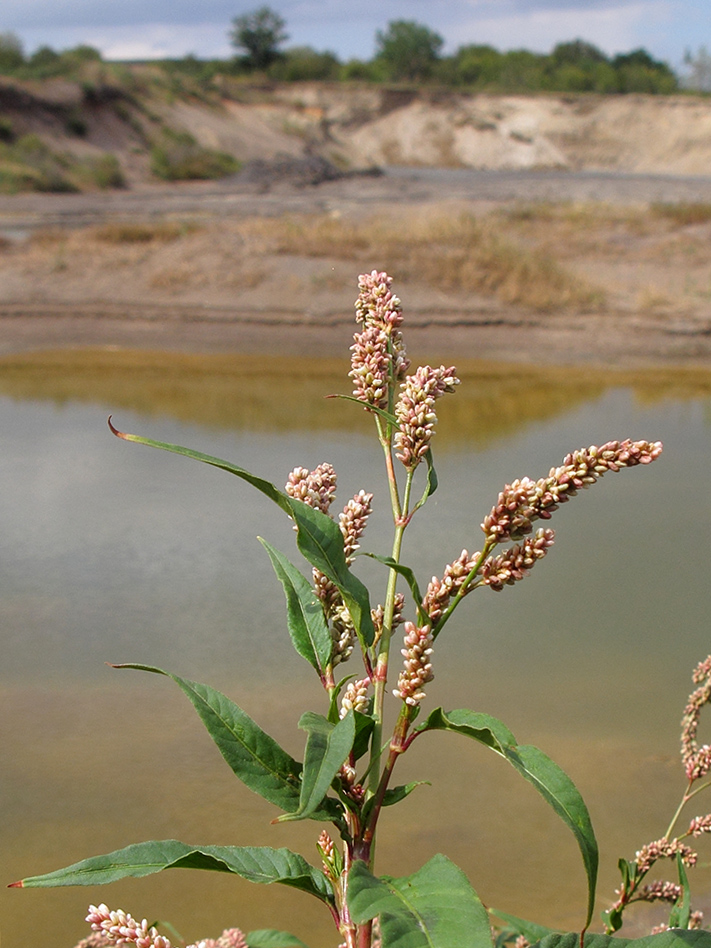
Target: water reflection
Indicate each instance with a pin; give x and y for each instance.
(114, 552)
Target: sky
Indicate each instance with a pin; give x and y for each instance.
(146, 29)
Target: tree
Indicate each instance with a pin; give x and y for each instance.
(577, 53)
(698, 77)
(259, 34)
(11, 53)
(408, 49)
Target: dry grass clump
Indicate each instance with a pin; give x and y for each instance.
(682, 215)
(447, 252)
(135, 232)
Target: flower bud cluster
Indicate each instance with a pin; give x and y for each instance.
(441, 591)
(664, 849)
(355, 697)
(122, 929)
(658, 892)
(230, 938)
(525, 500)
(353, 520)
(699, 825)
(696, 760)
(418, 668)
(378, 616)
(378, 353)
(316, 488)
(512, 565)
(415, 411)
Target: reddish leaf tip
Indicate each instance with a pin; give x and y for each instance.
(16, 885)
(119, 434)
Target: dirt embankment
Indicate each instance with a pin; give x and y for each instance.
(361, 126)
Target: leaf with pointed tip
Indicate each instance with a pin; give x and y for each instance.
(406, 573)
(307, 625)
(537, 768)
(532, 931)
(677, 938)
(327, 747)
(432, 483)
(435, 907)
(364, 725)
(391, 419)
(270, 938)
(260, 864)
(256, 758)
(320, 541)
(318, 537)
(392, 796)
(679, 915)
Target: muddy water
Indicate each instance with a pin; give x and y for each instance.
(113, 552)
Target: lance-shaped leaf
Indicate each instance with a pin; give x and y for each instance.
(386, 415)
(679, 915)
(552, 783)
(260, 864)
(532, 931)
(435, 907)
(271, 938)
(327, 747)
(307, 625)
(392, 796)
(255, 757)
(320, 541)
(432, 483)
(409, 577)
(676, 938)
(318, 537)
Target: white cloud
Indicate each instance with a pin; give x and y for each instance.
(613, 28)
(148, 41)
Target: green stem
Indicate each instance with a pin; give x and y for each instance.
(461, 593)
(684, 800)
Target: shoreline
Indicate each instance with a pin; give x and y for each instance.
(586, 340)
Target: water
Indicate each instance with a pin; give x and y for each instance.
(114, 552)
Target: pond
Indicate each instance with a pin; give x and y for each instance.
(112, 552)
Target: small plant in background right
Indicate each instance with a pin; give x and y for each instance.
(697, 764)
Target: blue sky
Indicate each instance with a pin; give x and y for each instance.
(154, 28)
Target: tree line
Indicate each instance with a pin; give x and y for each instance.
(406, 51)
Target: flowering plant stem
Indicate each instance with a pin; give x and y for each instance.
(346, 777)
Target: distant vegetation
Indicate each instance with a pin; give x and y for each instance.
(405, 52)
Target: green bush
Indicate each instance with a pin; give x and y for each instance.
(304, 64)
(101, 172)
(178, 157)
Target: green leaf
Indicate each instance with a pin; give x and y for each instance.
(435, 907)
(392, 796)
(537, 768)
(270, 938)
(320, 541)
(679, 915)
(677, 938)
(432, 483)
(407, 575)
(256, 758)
(391, 419)
(364, 725)
(520, 926)
(307, 625)
(260, 864)
(318, 537)
(327, 747)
